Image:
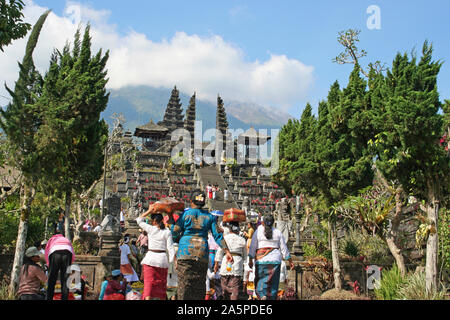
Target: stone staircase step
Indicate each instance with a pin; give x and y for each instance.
(212, 175)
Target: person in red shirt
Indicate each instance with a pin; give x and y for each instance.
(32, 277)
(116, 287)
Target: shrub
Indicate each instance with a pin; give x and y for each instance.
(444, 239)
(328, 255)
(415, 289)
(350, 248)
(390, 283)
(310, 251)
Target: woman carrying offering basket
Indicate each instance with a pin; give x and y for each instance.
(191, 229)
(155, 264)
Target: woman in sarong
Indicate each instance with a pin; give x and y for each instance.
(232, 273)
(160, 254)
(191, 230)
(125, 265)
(268, 248)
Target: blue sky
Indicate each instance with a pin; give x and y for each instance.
(303, 31)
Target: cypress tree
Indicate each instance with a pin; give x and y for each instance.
(302, 169)
(286, 138)
(408, 149)
(74, 135)
(341, 153)
(20, 122)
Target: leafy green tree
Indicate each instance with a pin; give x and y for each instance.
(407, 146)
(286, 138)
(329, 158)
(341, 156)
(302, 170)
(20, 122)
(73, 135)
(12, 26)
(446, 127)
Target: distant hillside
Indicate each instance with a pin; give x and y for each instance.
(139, 104)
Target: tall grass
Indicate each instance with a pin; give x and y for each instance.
(415, 289)
(390, 284)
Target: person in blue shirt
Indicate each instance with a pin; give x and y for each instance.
(106, 278)
(191, 232)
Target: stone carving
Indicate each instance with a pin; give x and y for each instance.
(109, 224)
(254, 172)
(246, 204)
(134, 208)
(282, 217)
(191, 156)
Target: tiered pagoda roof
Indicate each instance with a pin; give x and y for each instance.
(189, 121)
(150, 129)
(221, 117)
(173, 118)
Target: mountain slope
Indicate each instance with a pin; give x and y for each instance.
(139, 104)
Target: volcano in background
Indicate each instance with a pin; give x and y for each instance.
(140, 104)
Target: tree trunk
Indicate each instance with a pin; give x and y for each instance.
(431, 267)
(78, 222)
(27, 196)
(67, 214)
(393, 233)
(335, 256)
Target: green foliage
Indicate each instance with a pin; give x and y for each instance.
(357, 242)
(390, 284)
(370, 209)
(376, 250)
(350, 248)
(9, 224)
(310, 251)
(12, 26)
(21, 120)
(77, 247)
(409, 125)
(414, 288)
(444, 239)
(73, 135)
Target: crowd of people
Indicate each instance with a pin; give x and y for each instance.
(191, 256)
(49, 273)
(196, 256)
(212, 191)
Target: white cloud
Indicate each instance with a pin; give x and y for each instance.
(207, 65)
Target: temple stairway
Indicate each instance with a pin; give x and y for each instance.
(211, 175)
